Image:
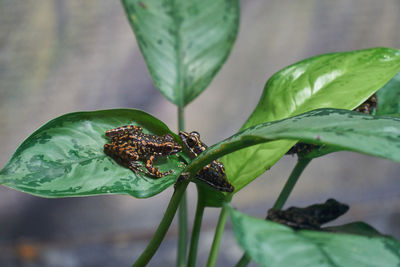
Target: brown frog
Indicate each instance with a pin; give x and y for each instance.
(129, 145)
(368, 106)
(213, 173)
(310, 217)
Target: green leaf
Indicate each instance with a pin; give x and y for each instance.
(388, 104)
(357, 228)
(338, 80)
(389, 98)
(347, 130)
(271, 244)
(211, 197)
(65, 158)
(184, 42)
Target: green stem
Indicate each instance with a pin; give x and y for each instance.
(182, 232)
(283, 196)
(212, 258)
(182, 212)
(194, 240)
(291, 182)
(181, 119)
(162, 229)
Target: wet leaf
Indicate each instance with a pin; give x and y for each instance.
(343, 129)
(357, 228)
(210, 196)
(339, 80)
(65, 158)
(184, 42)
(272, 244)
(389, 98)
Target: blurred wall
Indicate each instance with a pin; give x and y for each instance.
(59, 56)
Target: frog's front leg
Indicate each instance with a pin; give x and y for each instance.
(154, 171)
(135, 167)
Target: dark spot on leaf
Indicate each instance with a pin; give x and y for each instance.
(44, 138)
(105, 169)
(159, 41)
(85, 162)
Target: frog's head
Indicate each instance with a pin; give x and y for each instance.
(168, 146)
(191, 139)
(192, 143)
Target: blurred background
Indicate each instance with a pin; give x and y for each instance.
(59, 56)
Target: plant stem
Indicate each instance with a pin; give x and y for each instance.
(291, 182)
(182, 212)
(194, 240)
(182, 232)
(212, 258)
(162, 229)
(181, 119)
(283, 196)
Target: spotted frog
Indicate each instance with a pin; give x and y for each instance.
(213, 173)
(369, 105)
(310, 217)
(129, 145)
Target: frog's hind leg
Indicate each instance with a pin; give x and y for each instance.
(123, 156)
(154, 171)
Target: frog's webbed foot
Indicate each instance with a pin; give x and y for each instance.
(154, 172)
(135, 167)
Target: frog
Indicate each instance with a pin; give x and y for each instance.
(213, 173)
(311, 217)
(129, 144)
(367, 107)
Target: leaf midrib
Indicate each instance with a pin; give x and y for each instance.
(179, 55)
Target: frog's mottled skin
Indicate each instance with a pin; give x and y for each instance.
(368, 106)
(213, 173)
(129, 145)
(310, 217)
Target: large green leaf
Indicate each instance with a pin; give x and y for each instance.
(374, 135)
(65, 158)
(338, 80)
(271, 244)
(358, 228)
(211, 197)
(184, 42)
(389, 98)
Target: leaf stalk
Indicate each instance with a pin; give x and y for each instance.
(283, 196)
(165, 223)
(194, 240)
(182, 212)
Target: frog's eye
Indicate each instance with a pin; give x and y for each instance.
(168, 148)
(191, 140)
(195, 134)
